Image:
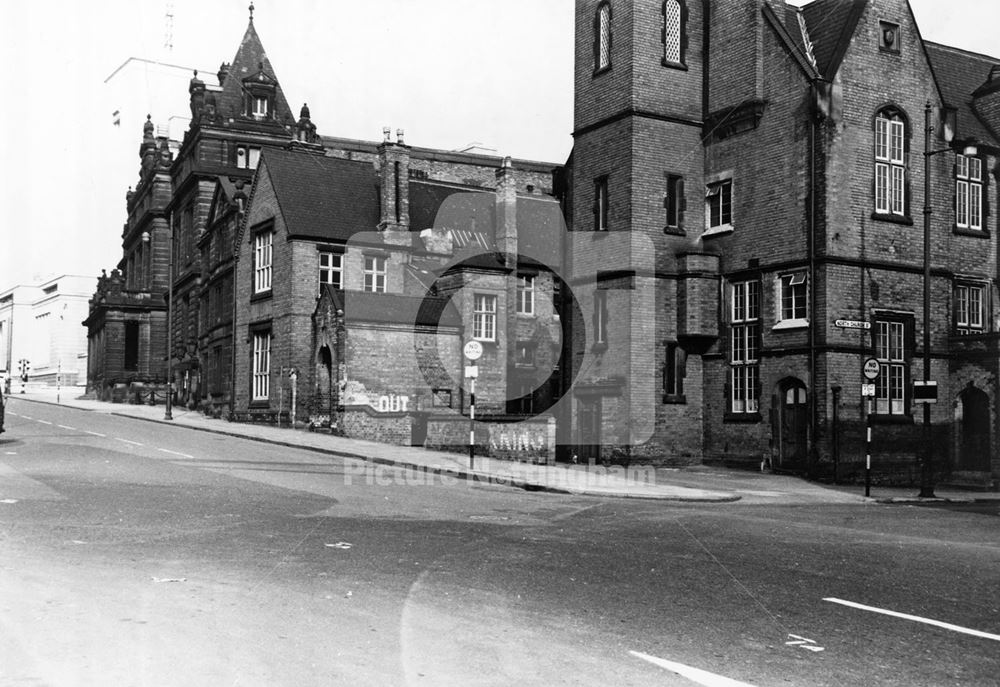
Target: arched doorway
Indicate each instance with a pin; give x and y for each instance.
(323, 397)
(974, 430)
(791, 425)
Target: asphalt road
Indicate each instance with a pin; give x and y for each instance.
(133, 553)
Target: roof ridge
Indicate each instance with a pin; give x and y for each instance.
(971, 53)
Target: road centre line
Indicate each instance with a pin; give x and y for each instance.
(66, 427)
(134, 443)
(96, 434)
(702, 677)
(174, 453)
(45, 422)
(916, 618)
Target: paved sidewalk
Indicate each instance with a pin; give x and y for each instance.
(640, 483)
(697, 484)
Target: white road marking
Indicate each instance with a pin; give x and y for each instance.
(174, 453)
(803, 643)
(96, 434)
(134, 443)
(702, 677)
(27, 418)
(917, 618)
(66, 427)
(10, 453)
(45, 422)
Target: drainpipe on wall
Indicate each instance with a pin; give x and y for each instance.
(241, 201)
(821, 105)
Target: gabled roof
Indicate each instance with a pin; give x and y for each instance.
(959, 74)
(250, 59)
(225, 191)
(831, 25)
(322, 198)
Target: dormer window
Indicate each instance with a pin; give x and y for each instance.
(260, 107)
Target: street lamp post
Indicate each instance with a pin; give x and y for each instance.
(927, 458)
(926, 473)
(168, 414)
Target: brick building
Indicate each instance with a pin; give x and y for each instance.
(767, 163)
(182, 217)
(363, 268)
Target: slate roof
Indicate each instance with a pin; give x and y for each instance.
(831, 25)
(958, 74)
(392, 308)
(247, 62)
(323, 198)
(471, 216)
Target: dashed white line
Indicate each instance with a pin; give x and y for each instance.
(45, 422)
(134, 443)
(96, 434)
(702, 677)
(72, 429)
(916, 618)
(174, 453)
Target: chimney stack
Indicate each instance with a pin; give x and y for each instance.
(394, 178)
(506, 213)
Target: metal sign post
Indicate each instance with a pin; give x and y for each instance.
(870, 370)
(473, 350)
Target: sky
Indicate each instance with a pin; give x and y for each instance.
(449, 72)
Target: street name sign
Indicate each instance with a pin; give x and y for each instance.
(853, 324)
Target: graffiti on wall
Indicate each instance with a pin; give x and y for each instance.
(355, 393)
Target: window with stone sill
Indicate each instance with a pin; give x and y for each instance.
(374, 274)
(970, 300)
(792, 294)
(744, 347)
(893, 343)
(891, 182)
(262, 256)
(484, 317)
(719, 207)
(330, 269)
(969, 192)
(525, 294)
(261, 373)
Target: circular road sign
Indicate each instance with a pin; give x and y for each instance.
(473, 350)
(871, 369)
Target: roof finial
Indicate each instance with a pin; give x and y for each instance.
(251, 11)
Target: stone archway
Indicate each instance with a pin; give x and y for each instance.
(973, 430)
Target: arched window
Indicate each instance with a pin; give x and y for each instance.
(673, 32)
(602, 37)
(891, 182)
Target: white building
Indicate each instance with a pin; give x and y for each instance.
(42, 324)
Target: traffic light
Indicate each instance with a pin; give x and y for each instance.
(25, 366)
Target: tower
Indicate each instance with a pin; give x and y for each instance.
(638, 117)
